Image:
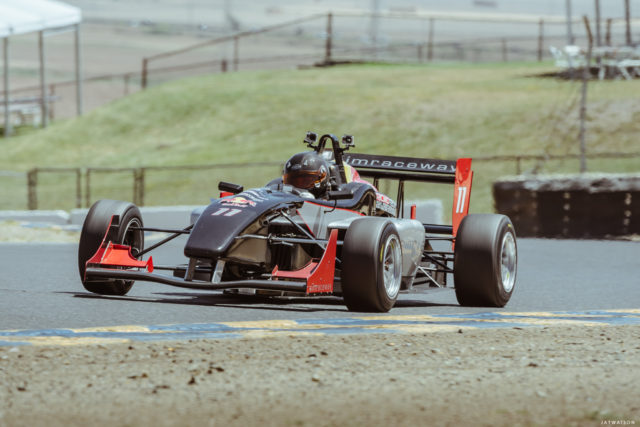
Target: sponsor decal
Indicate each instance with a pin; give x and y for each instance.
(386, 208)
(383, 198)
(238, 201)
(385, 203)
(320, 288)
(400, 163)
(255, 195)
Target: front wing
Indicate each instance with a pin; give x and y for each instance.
(116, 262)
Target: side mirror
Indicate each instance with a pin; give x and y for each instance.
(340, 195)
(229, 187)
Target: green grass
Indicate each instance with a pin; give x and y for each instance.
(438, 111)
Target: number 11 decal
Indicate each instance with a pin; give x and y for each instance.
(461, 192)
(462, 196)
(226, 212)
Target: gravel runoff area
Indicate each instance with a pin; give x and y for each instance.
(552, 375)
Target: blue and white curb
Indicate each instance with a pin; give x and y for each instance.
(318, 327)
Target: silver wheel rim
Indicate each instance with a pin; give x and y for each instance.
(133, 238)
(392, 266)
(508, 258)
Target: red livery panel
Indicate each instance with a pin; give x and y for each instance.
(318, 275)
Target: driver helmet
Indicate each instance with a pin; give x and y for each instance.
(309, 171)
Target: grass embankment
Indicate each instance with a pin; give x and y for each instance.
(438, 111)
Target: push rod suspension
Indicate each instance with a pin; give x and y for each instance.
(163, 241)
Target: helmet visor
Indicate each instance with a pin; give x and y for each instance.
(303, 179)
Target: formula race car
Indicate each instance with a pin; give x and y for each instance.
(320, 229)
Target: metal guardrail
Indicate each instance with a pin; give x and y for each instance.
(85, 176)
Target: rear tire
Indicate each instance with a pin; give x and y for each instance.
(93, 231)
(485, 261)
(371, 265)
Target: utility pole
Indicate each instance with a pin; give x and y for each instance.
(231, 21)
(570, 39)
(7, 91)
(430, 40)
(586, 75)
(598, 38)
(329, 41)
(627, 17)
(540, 39)
(374, 28)
(231, 25)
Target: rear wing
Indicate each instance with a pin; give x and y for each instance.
(403, 169)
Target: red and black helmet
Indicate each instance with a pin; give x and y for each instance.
(309, 171)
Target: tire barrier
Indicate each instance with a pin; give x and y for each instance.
(577, 206)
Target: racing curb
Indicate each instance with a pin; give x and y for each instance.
(388, 324)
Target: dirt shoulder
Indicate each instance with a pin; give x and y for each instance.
(534, 376)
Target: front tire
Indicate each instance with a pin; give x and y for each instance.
(485, 260)
(371, 265)
(93, 230)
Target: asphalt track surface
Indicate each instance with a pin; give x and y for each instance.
(40, 289)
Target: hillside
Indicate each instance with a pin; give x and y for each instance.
(441, 111)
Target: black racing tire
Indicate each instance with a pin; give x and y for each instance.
(371, 265)
(485, 260)
(93, 231)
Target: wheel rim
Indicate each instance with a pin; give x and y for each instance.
(133, 238)
(508, 258)
(392, 266)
